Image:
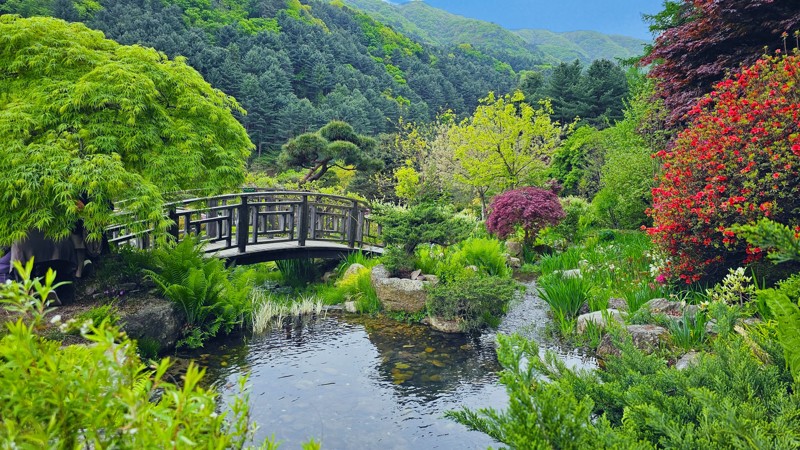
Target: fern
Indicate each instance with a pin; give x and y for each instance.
(787, 314)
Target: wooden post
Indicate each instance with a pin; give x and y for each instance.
(242, 225)
(302, 231)
(173, 229)
(213, 230)
(352, 231)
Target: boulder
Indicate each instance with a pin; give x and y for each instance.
(350, 306)
(378, 273)
(599, 318)
(645, 337)
(415, 274)
(514, 248)
(433, 279)
(688, 360)
(154, 318)
(328, 277)
(670, 308)
(444, 325)
(618, 303)
(352, 270)
(398, 294)
(516, 263)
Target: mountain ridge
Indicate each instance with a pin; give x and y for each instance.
(522, 48)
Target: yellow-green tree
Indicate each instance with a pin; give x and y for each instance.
(84, 115)
(504, 145)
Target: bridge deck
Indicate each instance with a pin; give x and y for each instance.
(273, 251)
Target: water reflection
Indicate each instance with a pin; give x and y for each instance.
(357, 382)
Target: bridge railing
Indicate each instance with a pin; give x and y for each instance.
(267, 216)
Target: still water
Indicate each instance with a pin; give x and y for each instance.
(355, 382)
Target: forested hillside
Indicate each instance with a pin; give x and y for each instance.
(295, 66)
(523, 49)
(443, 28)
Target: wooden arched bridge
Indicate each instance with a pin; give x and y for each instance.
(268, 225)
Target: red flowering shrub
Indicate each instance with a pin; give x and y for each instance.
(736, 162)
(529, 208)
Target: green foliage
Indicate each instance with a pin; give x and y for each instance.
(576, 163)
(397, 261)
(422, 223)
(637, 294)
(574, 225)
(124, 264)
(735, 289)
(540, 414)
(85, 115)
(212, 298)
(787, 315)
(148, 348)
(95, 316)
(297, 273)
(781, 241)
(334, 145)
(504, 145)
(564, 294)
(689, 332)
(474, 302)
(730, 399)
(101, 395)
(358, 287)
(486, 256)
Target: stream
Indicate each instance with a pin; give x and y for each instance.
(359, 382)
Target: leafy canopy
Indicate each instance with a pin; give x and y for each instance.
(505, 144)
(334, 145)
(701, 40)
(528, 208)
(80, 114)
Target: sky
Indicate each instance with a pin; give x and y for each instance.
(607, 16)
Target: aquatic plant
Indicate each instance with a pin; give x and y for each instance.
(564, 294)
(271, 309)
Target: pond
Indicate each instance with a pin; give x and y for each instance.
(357, 382)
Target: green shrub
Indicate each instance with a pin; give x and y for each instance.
(475, 301)
(213, 297)
(95, 316)
(172, 261)
(100, 396)
(358, 287)
(578, 217)
(730, 399)
(398, 262)
(487, 254)
(422, 223)
(123, 265)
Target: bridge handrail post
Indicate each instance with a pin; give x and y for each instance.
(173, 229)
(242, 225)
(352, 231)
(302, 232)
